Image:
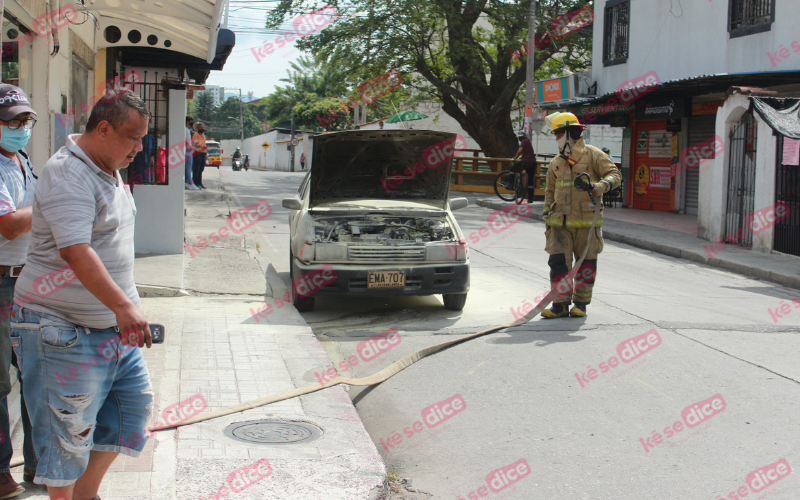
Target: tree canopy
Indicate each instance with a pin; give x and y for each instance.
(457, 52)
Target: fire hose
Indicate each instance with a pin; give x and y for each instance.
(401, 364)
(409, 360)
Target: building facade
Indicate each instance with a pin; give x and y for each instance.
(680, 80)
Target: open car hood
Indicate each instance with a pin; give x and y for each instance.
(396, 165)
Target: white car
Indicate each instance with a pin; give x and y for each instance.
(373, 218)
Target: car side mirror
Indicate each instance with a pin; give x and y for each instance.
(292, 204)
(458, 204)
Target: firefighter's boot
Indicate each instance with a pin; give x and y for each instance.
(557, 311)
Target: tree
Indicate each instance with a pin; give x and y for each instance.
(227, 125)
(448, 54)
(204, 107)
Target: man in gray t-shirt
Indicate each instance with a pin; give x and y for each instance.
(77, 320)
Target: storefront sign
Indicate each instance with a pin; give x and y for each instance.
(642, 180)
(641, 143)
(674, 125)
(659, 177)
(660, 144)
(603, 114)
(661, 109)
(557, 89)
(705, 108)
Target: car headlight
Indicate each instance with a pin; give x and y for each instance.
(448, 251)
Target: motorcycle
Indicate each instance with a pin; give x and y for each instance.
(246, 163)
(237, 164)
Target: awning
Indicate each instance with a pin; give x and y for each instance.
(186, 26)
(783, 115)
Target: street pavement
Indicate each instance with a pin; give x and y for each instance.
(545, 392)
(535, 412)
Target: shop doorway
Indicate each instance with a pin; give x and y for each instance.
(741, 182)
(787, 189)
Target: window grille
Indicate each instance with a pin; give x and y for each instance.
(150, 167)
(616, 32)
(747, 17)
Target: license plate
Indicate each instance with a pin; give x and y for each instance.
(386, 279)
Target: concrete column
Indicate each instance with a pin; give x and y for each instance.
(160, 209)
(766, 151)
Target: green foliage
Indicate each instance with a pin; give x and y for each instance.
(204, 107)
(227, 124)
(459, 53)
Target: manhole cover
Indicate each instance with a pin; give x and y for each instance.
(273, 432)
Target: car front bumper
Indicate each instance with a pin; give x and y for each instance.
(421, 279)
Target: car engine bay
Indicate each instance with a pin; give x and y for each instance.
(381, 230)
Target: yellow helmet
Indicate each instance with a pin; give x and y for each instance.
(559, 121)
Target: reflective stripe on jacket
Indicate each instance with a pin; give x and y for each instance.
(563, 201)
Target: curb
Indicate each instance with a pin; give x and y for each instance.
(160, 291)
(692, 254)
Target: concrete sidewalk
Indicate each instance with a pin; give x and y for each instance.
(777, 268)
(219, 354)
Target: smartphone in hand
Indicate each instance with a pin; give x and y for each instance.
(157, 332)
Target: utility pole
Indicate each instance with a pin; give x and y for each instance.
(529, 69)
(241, 116)
(291, 111)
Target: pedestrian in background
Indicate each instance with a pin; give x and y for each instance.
(82, 240)
(199, 151)
(189, 154)
(17, 188)
(303, 161)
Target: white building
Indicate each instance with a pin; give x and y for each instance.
(157, 48)
(698, 67)
(216, 92)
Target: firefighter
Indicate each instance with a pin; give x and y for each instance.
(568, 214)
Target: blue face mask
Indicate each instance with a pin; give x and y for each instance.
(14, 139)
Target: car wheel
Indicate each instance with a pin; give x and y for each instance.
(302, 304)
(454, 301)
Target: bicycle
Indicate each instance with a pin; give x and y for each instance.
(517, 182)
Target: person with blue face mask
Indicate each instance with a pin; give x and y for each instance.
(17, 189)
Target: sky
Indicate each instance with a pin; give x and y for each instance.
(256, 72)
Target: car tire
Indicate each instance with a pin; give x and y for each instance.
(454, 301)
(302, 304)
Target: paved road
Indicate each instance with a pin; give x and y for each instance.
(545, 403)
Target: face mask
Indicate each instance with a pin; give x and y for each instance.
(14, 140)
(201, 132)
(561, 142)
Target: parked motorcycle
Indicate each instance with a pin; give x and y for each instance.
(237, 164)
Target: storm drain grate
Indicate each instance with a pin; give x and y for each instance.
(273, 432)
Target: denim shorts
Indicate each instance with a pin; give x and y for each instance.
(84, 390)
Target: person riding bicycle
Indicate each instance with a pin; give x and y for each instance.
(527, 161)
(568, 214)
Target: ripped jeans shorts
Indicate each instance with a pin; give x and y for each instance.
(84, 391)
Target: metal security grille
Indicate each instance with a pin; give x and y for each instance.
(787, 190)
(370, 253)
(750, 16)
(157, 101)
(741, 182)
(701, 128)
(615, 32)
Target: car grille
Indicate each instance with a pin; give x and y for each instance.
(381, 253)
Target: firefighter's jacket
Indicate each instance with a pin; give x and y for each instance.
(565, 205)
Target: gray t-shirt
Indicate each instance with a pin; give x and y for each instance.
(76, 203)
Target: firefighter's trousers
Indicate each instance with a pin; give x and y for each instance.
(563, 244)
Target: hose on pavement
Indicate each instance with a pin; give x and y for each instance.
(395, 367)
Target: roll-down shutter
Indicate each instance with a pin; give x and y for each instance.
(701, 128)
